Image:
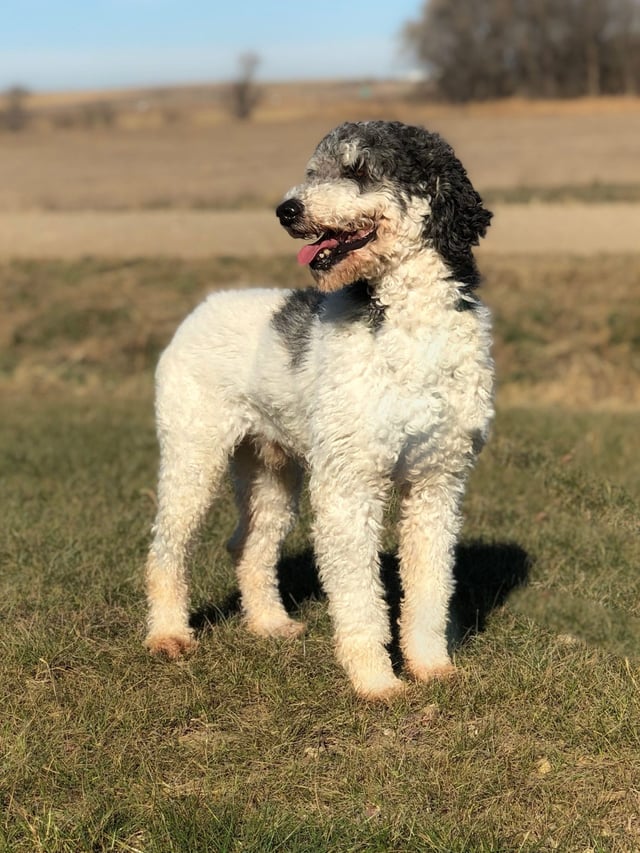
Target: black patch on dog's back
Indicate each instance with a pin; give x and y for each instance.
(355, 303)
(294, 319)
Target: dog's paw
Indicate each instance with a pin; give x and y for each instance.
(431, 672)
(384, 689)
(282, 628)
(171, 646)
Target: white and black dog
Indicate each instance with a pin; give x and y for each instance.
(380, 376)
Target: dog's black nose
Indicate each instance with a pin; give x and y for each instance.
(289, 211)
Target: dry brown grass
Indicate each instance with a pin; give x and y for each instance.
(296, 99)
(532, 228)
(201, 158)
(567, 331)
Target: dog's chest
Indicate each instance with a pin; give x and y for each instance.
(386, 389)
(402, 360)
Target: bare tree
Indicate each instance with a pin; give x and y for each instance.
(244, 94)
(15, 116)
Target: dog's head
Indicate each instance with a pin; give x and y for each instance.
(376, 193)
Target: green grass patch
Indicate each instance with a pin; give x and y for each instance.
(260, 745)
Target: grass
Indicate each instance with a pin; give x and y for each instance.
(567, 330)
(591, 193)
(259, 745)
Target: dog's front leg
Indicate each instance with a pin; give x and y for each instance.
(429, 528)
(348, 521)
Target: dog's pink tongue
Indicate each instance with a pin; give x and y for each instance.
(308, 253)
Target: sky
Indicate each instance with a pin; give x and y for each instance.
(50, 45)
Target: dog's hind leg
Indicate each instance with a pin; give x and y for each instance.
(429, 525)
(267, 486)
(195, 444)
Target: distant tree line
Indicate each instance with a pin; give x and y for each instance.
(479, 49)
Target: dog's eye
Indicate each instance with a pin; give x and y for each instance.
(357, 170)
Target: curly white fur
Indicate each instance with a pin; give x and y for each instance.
(404, 401)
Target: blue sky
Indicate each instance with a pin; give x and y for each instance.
(64, 44)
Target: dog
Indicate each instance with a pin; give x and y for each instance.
(379, 377)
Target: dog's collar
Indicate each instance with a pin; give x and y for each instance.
(376, 308)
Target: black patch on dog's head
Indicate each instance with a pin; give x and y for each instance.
(419, 164)
(293, 321)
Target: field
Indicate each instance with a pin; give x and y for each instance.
(260, 746)
(204, 161)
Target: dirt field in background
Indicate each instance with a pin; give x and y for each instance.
(235, 164)
(206, 185)
(517, 228)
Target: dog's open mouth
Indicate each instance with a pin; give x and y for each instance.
(333, 246)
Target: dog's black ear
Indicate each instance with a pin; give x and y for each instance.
(457, 219)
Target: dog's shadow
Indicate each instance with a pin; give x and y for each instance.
(485, 575)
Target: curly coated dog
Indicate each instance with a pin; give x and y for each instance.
(379, 377)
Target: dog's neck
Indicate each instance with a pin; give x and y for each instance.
(361, 293)
(421, 282)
